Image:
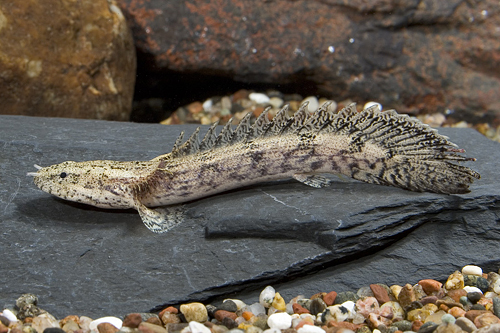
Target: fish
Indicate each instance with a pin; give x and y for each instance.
(373, 146)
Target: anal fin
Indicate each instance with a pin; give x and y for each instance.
(160, 220)
(312, 180)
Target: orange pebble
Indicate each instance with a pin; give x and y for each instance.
(456, 312)
(247, 315)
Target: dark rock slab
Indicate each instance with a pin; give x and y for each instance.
(83, 260)
(427, 55)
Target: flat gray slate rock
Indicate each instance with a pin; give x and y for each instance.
(88, 261)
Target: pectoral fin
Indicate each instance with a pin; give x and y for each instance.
(312, 180)
(160, 220)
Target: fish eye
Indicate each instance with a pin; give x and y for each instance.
(63, 175)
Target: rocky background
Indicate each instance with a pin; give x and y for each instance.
(76, 59)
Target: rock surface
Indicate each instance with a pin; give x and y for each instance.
(426, 56)
(66, 59)
(83, 260)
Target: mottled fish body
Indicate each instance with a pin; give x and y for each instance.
(371, 146)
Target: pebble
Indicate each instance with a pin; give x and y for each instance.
(329, 298)
(228, 305)
(470, 289)
(259, 98)
(477, 281)
(9, 315)
(455, 281)
(472, 270)
(313, 103)
(267, 296)
(279, 303)
(194, 312)
(346, 296)
(106, 328)
(146, 327)
(43, 321)
(116, 322)
(280, 321)
(370, 104)
(380, 293)
(310, 329)
(465, 324)
(132, 320)
(430, 286)
(474, 296)
(196, 327)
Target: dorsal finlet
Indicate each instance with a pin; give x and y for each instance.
(209, 139)
(178, 142)
(225, 135)
(243, 129)
(191, 146)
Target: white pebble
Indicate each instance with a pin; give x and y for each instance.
(313, 103)
(257, 309)
(280, 321)
(267, 296)
(276, 102)
(9, 315)
(496, 286)
(472, 270)
(272, 330)
(310, 329)
(116, 322)
(197, 327)
(470, 289)
(349, 305)
(207, 105)
(259, 98)
(369, 104)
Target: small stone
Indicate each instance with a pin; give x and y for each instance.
(337, 313)
(495, 328)
(494, 279)
(402, 325)
(53, 330)
(465, 324)
(116, 322)
(448, 328)
(448, 318)
(194, 312)
(279, 303)
(477, 281)
(221, 314)
(259, 98)
(239, 303)
(455, 281)
(472, 314)
(145, 327)
(457, 312)
(106, 328)
(472, 270)
(305, 302)
(329, 298)
(396, 290)
(257, 309)
(169, 318)
(470, 289)
(478, 307)
(43, 321)
(310, 329)
(299, 309)
(429, 299)
(427, 327)
(380, 293)
(132, 320)
(474, 297)
(3, 328)
(365, 291)
(313, 103)
(154, 320)
(455, 294)
(430, 286)
(486, 319)
(211, 310)
(416, 324)
(371, 103)
(267, 295)
(175, 328)
(496, 306)
(392, 310)
(367, 305)
(196, 327)
(228, 305)
(280, 321)
(317, 306)
(9, 315)
(406, 296)
(276, 102)
(346, 296)
(69, 326)
(435, 317)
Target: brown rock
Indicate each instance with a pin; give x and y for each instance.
(74, 318)
(329, 298)
(145, 327)
(473, 314)
(430, 286)
(344, 324)
(132, 320)
(486, 319)
(410, 69)
(380, 293)
(66, 59)
(415, 326)
(456, 312)
(406, 296)
(456, 294)
(3, 328)
(299, 309)
(106, 328)
(155, 321)
(221, 314)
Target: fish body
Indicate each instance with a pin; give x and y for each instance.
(372, 146)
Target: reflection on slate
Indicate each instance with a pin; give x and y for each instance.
(83, 260)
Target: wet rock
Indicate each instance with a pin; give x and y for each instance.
(398, 70)
(66, 59)
(194, 312)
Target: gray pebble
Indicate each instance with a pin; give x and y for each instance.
(496, 306)
(346, 296)
(477, 281)
(228, 306)
(428, 327)
(402, 325)
(53, 330)
(474, 297)
(465, 324)
(478, 307)
(317, 306)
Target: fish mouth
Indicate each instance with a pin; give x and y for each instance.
(34, 174)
